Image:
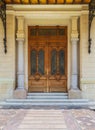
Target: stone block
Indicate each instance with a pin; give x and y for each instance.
(20, 94)
(87, 95)
(74, 94)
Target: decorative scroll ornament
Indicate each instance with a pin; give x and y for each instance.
(91, 16)
(3, 18)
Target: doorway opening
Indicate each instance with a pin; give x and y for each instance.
(47, 59)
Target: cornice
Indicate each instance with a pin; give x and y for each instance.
(47, 7)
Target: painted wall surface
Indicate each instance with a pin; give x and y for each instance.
(8, 61)
(87, 61)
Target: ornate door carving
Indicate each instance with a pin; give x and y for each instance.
(57, 68)
(37, 71)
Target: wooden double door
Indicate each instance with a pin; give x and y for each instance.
(47, 66)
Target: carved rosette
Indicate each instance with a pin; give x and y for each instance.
(37, 76)
(57, 76)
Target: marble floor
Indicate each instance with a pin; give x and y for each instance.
(47, 119)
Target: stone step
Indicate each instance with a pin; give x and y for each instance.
(26, 103)
(44, 129)
(48, 100)
(45, 105)
(37, 103)
(42, 126)
(50, 121)
(47, 97)
(47, 94)
(43, 118)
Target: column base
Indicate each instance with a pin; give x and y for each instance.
(20, 94)
(74, 94)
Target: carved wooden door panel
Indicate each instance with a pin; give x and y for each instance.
(47, 68)
(37, 71)
(57, 68)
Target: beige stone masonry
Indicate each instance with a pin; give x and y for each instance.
(7, 61)
(87, 61)
(62, 16)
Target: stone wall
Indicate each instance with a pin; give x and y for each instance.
(7, 61)
(87, 61)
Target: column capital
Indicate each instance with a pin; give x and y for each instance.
(74, 31)
(20, 27)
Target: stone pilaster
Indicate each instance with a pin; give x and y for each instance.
(20, 91)
(20, 63)
(74, 71)
(74, 91)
